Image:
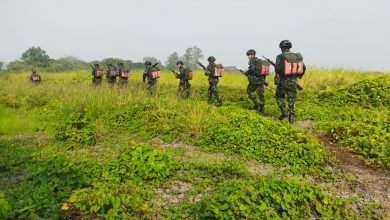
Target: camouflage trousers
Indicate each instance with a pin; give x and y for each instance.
(152, 84)
(256, 84)
(96, 81)
(123, 81)
(184, 89)
(111, 80)
(213, 90)
(286, 86)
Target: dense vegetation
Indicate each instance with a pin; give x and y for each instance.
(70, 150)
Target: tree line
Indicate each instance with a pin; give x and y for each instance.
(37, 58)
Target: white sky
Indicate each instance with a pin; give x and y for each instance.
(332, 33)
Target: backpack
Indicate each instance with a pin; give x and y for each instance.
(125, 74)
(156, 74)
(293, 64)
(36, 78)
(264, 67)
(219, 70)
(189, 74)
(112, 72)
(99, 73)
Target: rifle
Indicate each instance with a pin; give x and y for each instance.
(201, 65)
(299, 87)
(246, 74)
(154, 65)
(174, 73)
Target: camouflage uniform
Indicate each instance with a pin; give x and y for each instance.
(184, 84)
(122, 80)
(213, 82)
(256, 82)
(96, 80)
(152, 83)
(285, 85)
(111, 79)
(34, 74)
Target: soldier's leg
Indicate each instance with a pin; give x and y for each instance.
(260, 92)
(215, 91)
(188, 89)
(250, 90)
(280, 94)
(210, 93)
(291, 97)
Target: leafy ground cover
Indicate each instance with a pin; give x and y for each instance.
(72, 151)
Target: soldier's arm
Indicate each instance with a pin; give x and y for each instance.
(278, 64)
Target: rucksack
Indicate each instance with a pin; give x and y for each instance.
(99, 73)
(125, 74)
(156, 74)
(189, 75)
(263, 67)
(219, 70)
(293, 64)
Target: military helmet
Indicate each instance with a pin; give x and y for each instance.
(96, 64)
(110, 64)
(33, 71)
(285, 44)
(179, 62)
(211, 59)
(251, 52)
(120, 64)
(148, 63)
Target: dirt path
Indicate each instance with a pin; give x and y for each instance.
(372, 183)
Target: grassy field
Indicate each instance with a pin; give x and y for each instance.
(69, 150)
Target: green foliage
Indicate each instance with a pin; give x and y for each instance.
(366, 93)
(141, 163)
(263, 139)
(170, 63)
(36, 56)
(288, 198)
(67, 64)
(78, 129)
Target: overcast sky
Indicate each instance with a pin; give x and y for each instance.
(333, 33)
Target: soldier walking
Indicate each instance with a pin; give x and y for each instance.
(256, 76)
(185, 74)
(123, 74)
(289, 67)
(151, 74)
(35, 77)
(111, 74)
(97, 74)
(213, 79)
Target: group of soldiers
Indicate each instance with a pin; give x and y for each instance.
(288, 68)
(111, 74)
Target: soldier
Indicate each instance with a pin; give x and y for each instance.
(35, 77)
(286, 76)
(123, 74)
(151, 74)
(111, 74)
(185, 74)
(213, 81)
(256, 80)
(97, 74)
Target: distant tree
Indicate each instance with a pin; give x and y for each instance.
(36, 56)
(170, 63)
(192, 55)
(152, 59)
(18, 66)
(138, 65)
(66, 64)
(1, 65)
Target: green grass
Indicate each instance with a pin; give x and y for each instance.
(71, 150)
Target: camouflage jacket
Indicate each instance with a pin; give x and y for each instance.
(183, 74)
(210, 71)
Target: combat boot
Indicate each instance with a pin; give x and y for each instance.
(283, 115)
(291, 118)
(219, 102)
(261, 109)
